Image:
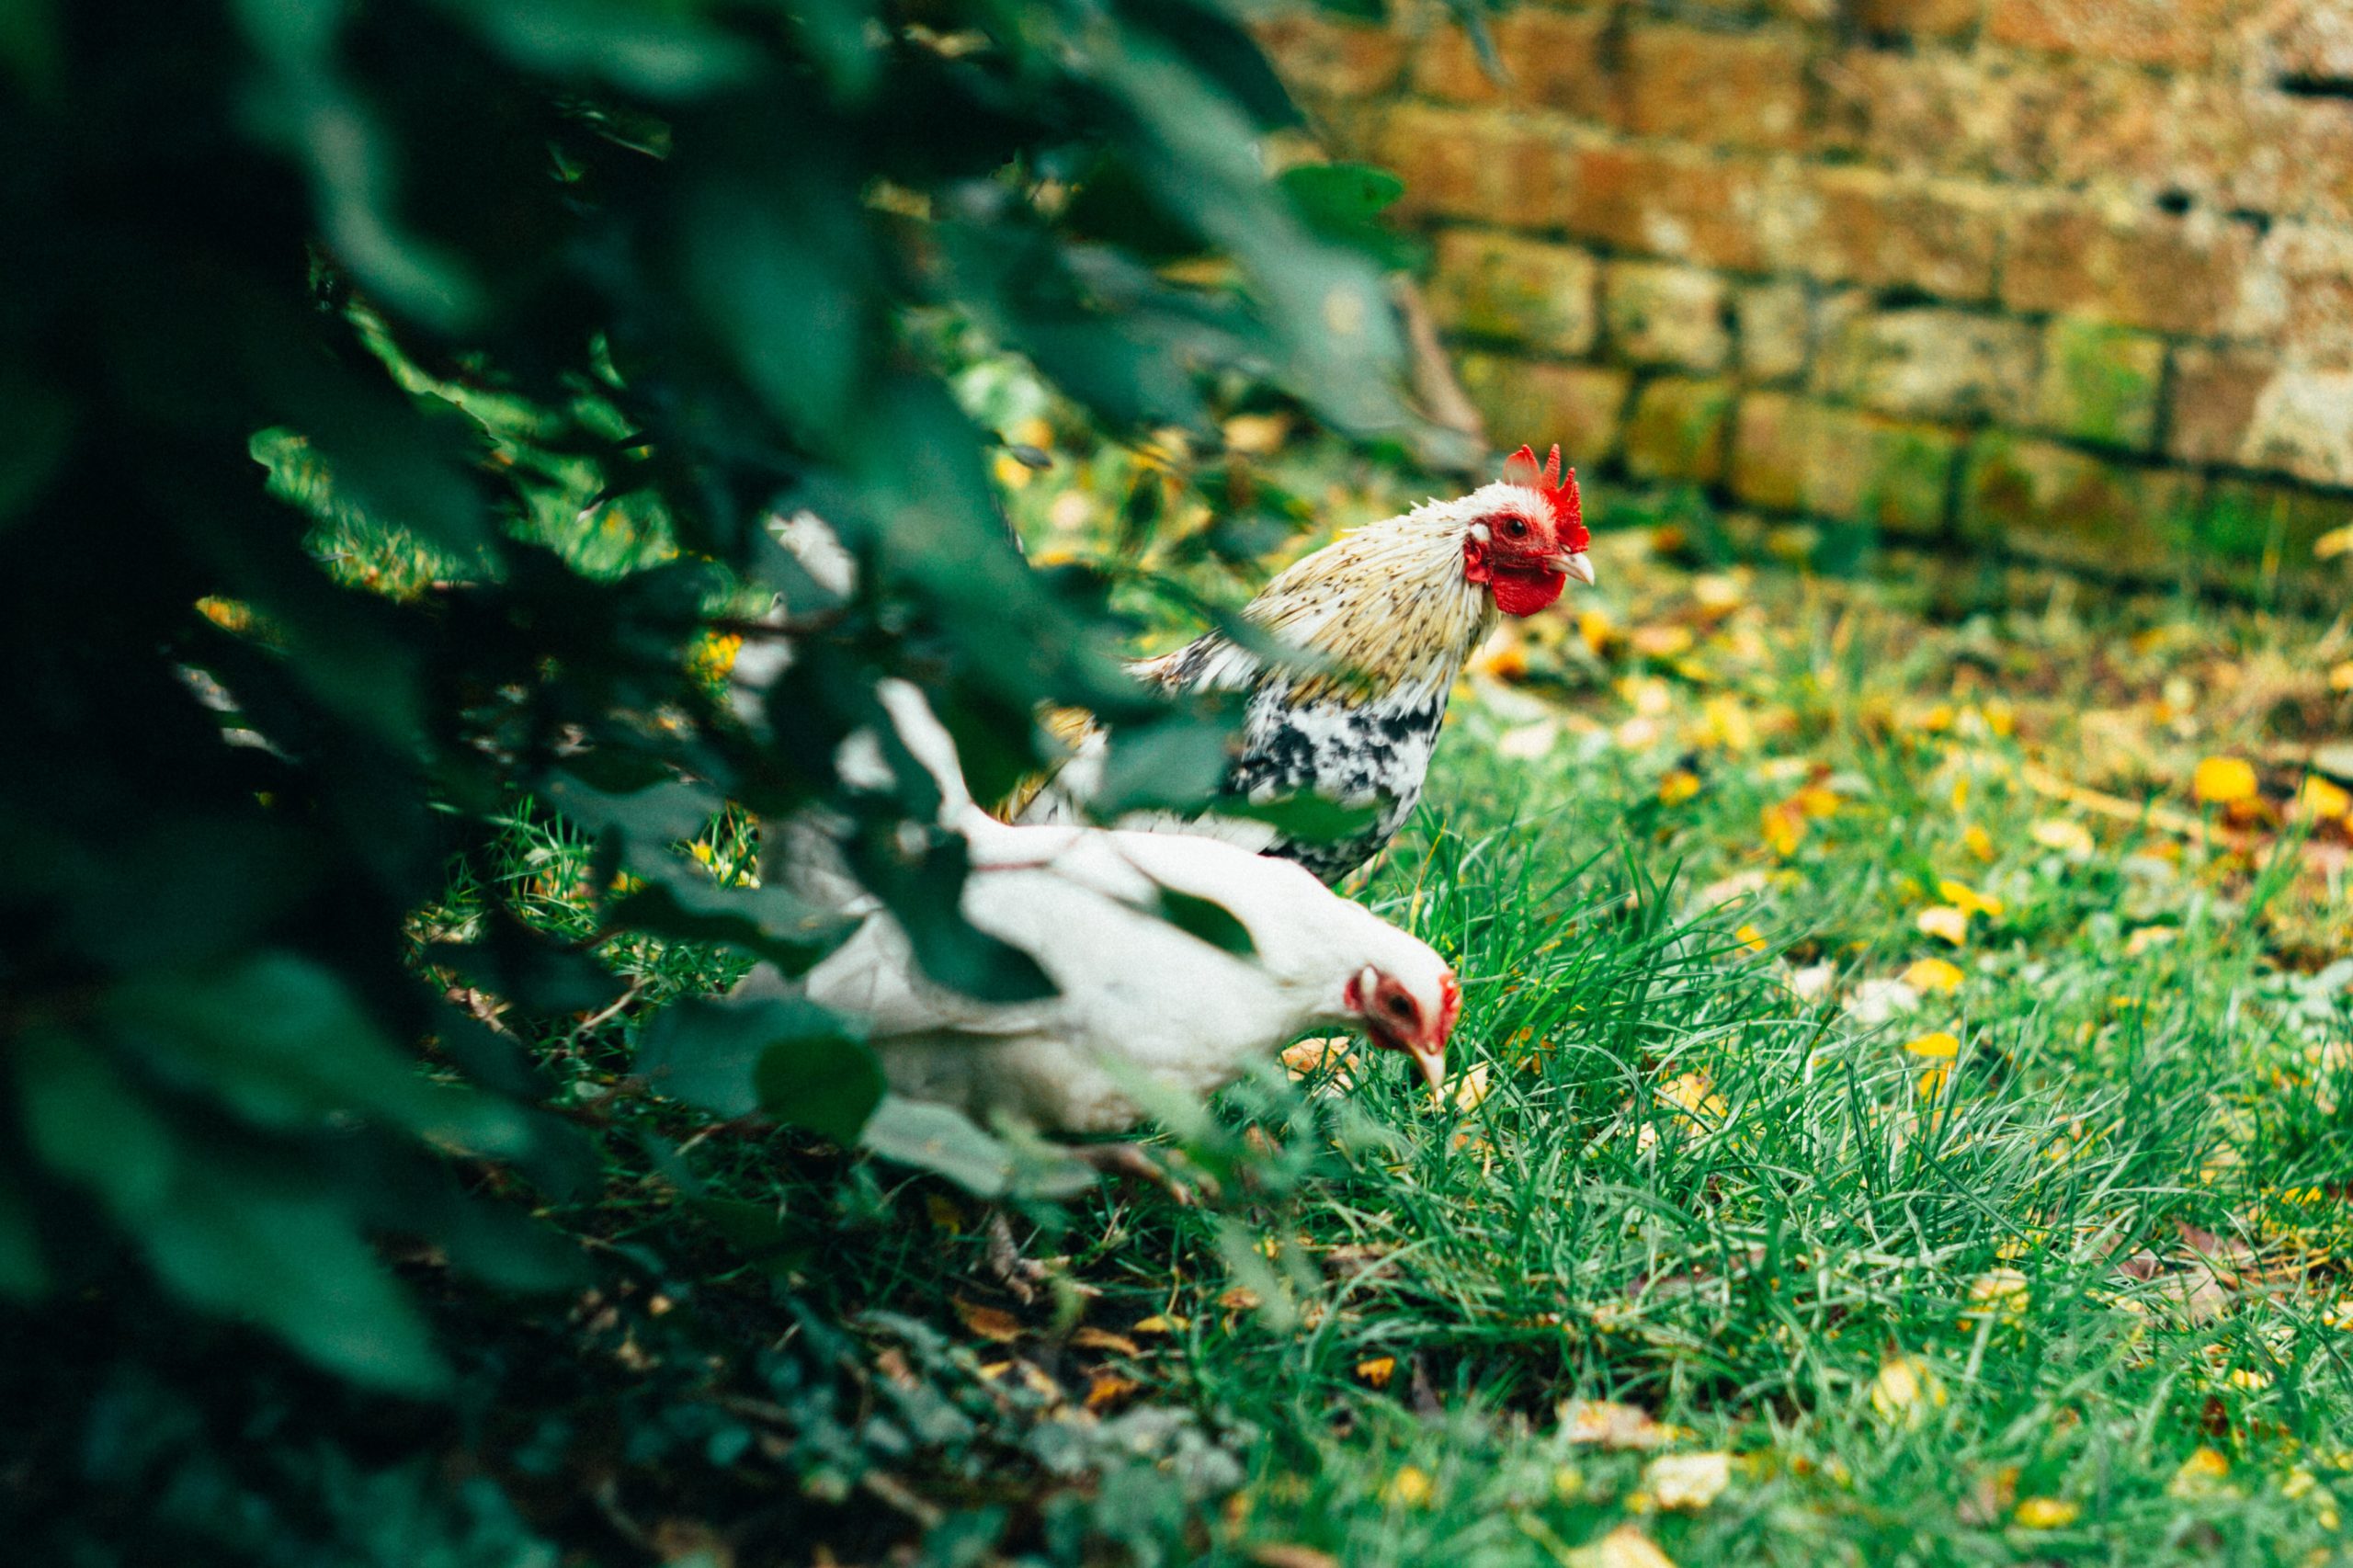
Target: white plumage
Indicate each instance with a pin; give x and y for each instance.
(1140, 1001)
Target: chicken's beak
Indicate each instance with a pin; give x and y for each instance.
(1577, 565)
(1431, 1060)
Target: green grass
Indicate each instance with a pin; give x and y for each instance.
(1706, 1179)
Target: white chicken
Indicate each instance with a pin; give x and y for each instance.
(1143, 1007)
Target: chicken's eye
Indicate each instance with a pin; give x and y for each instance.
(1400, 1007)
(1515, 529)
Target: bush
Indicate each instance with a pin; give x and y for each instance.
(402, 393)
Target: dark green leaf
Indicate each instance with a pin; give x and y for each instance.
(1311, 818)
(1212, 922)
(934, 1138)
(1178, 763)
(708, 1054)
(828, 1084)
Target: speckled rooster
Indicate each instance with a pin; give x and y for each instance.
(1394, 609)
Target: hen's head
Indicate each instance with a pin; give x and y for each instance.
(1409, 1007)
(1524, 536)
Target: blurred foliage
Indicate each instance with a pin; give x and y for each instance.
(402, 394)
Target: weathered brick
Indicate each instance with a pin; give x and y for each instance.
(1463, 164)
(1933, 364)
(2307, 38)
(1931, 19)
(2215, 397)
(2298, 293)
(2178, 33)
(1678, 430)
(2303, 425)
(1660, 313)
(1793, 455)
(1739, 89)
(2002, 117)
(1775, 333)
(2101, 383)
(2052, 502)
(1551, 59)
(1672, 202)
(1850, 225)
(1581, 406)
(2170, 274)
(1501, 287)
(1323, 55)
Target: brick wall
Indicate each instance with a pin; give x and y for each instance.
(2075, 275)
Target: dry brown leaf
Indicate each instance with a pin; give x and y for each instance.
(1289, 1554)
(990, 1323)
(1109, 1388)
(1104, 1339)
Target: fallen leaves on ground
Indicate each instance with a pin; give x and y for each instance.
(1613, 1426)
(1906, 1390)
(1687, 1482)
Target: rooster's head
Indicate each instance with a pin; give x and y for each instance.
(1410, 1012)
(1525, 534)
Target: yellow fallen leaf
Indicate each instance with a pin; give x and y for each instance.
(1256, 434)
(1677, 787)
(2223, 781)
(1336, 1052)
(2065, 834)
(2335, 541)
(1661, 641)
(1103, 1339)
(1906, 1390)
(1109, 1388)
(1470, 1088)
(1597, 631)
(1968, 900)
(2000, 717)
(1815, 801)
(1688, 1481)
(1749, 937)
(2340, 676)
(989, 1323)
(2200, 1475)
(1961, 794)
(2046, 1513)
(1781, 829)
(1378, 1369)
(1978, 842)
(1505, 657)
(1941, 1046)
(1944, 921)
(2321, 799)
(1933, 975)
(1695, 1095)
(1410, 1487)
(1611, 1425)
(2000, 1293)
(1160, 1322)
(1238, 1299)
(1931, 1084)
(1624, 1547)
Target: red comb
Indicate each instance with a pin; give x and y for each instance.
(1559, 491)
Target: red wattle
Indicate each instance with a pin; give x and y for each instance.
(1526, 592)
